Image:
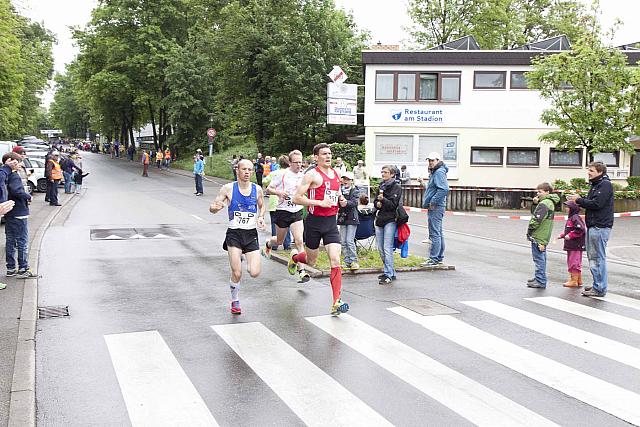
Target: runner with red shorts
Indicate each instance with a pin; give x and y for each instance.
(319, 191)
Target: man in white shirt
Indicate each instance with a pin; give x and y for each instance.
(359, 173)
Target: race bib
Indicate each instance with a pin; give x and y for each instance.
(289, 202)
(244, 219)
(331, 195)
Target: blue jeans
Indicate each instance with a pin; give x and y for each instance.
(199, 183)
(384, 238)
(68, 181)
(597, 239)
(540, 263)
(17, 236)
(348, 240)
(435, 217)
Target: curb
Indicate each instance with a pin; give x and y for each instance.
(22, 407)
(517, 217)
(315, 273)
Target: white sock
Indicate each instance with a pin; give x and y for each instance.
(235, 288)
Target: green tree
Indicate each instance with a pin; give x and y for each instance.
(495, 24)
(11, 74)
(593, 93)
(69, 109)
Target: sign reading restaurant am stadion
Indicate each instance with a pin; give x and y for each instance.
(417, 115)
(342, 104)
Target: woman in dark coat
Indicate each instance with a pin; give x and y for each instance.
(386, 204)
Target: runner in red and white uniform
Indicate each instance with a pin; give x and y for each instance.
(320, 192)
(288, 215)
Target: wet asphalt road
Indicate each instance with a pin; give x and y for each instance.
(178, 286)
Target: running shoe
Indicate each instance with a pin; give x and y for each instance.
(26, 274)
(266, 251)
(235, 307)
(12, 272)
(303, 276)
(339, 307)
(291, 265)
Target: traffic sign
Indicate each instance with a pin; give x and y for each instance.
(211, 133)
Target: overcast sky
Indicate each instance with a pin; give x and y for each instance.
(385, 20)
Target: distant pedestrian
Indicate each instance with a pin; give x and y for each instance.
(386, 204)
(539, 231)
(79, 174)
(198, 173)
(259, 169)
(67, 172)
(405, 176)
(145, 163)
(348, 220)
(598, 205)
(159, 157)
(359, 172)
(573, 235)
(435, 200)
(131, 151)
(16, 222)
(234, 166)
(53, 171)
(167, 157)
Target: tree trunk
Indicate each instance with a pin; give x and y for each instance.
(153, 125)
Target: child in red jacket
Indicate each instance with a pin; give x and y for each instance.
(574, 237)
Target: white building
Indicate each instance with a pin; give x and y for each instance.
(472, 106)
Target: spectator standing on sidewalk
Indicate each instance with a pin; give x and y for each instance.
(359, 172)
(67, 171)
(259, 169)
(234, 166)
(78, 175)
(598, 205)
(405, 176)
(159, 157)
(167, 157)
(539, 231)
(386, 204)
(53, 171)
(348, 220)
(5, 204)
(145, 163)
(16, 221)
(198, 172)
(435, 200)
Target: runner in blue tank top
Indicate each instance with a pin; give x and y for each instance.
(246, 210)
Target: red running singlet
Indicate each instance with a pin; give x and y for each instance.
(330, 189)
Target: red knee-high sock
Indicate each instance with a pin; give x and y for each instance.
(301, 257)
(336, 282)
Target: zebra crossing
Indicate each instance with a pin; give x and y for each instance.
(157, 391)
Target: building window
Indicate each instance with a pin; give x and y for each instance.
(384, 86)
(407, 87)
(450, 88)
(428, 87)
(609, 159)
(489, 79)
(447, 146)
(519, 80)
(404, 86)
(486, 156)
(523, 156)
(395, 149)
(565, 158)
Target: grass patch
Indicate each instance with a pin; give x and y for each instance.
(219, 165)
(366, 259)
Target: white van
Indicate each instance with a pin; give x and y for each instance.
(6, 146)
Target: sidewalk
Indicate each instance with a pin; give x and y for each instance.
(18, 314)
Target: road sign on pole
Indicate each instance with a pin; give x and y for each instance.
(211, 133)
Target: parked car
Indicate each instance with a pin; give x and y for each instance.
(36, 179)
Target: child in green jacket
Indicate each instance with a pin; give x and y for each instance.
(539, 231)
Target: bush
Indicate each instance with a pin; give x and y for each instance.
(616, 186)
(559, 184)
(634, 182)
(350, 153)
(579, 183)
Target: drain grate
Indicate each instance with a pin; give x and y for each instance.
(426, 307)
(53, 311)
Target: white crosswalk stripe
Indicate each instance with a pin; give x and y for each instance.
(621, 300)
(461, 394)
(156, 390)
(597, 344)
(608, 397)
(315, 397)
(591, 313)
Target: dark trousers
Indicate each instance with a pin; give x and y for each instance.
(199, 188)
(145, 169)
(259, 179)
(52, 191)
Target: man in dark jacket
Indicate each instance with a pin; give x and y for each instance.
(16, 229)
(386, 204)
(598, 205)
